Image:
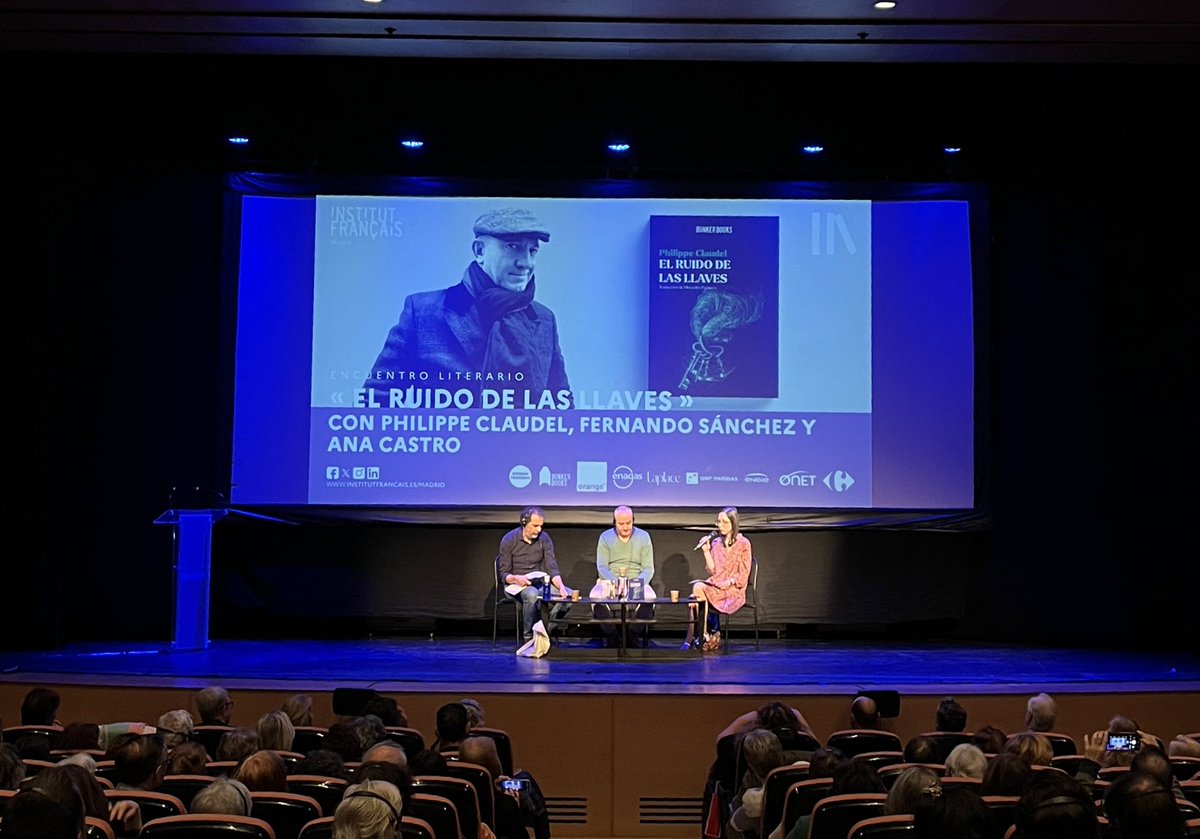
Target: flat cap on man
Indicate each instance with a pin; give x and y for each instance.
(511, 221)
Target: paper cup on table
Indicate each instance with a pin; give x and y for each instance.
(575, 594)
(674, 595)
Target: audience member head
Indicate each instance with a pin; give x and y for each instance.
(1041, 713)
(475, 715)
(386, 709)
(864, 713)
(451, 723)
(237, 745)
(966, 761)
(920, 749)
(482, 752)
(773, 715)
(990, 740)
(81, 759)
(187, 759)
(856, 776)
(12, 768)
(368, 810)
(762, 751)
(53, 811)
(79, 735)
(1056, 806)
(83, 780)
(369, 729)
(40, 707)
(958, 813)
(950, 715)
(1183, 746)
(1032, 748)
(908, 790)
(222, 797)
(276, 731)
(175, 727)
(342, 739)
(386, 752)
(263, 771)
(299, 709)
(138, 760)
(427, 762)
(1121, 724)
(1006, 774)
(823, 761)
(1152, 761)
(214, 706)
(321, 762)
(1139, 807)
(395, 774)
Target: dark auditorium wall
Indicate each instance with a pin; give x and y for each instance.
(1087, 350)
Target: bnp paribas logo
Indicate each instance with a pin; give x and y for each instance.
(364, 221)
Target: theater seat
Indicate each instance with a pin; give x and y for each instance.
(206, 826)
(884, 827)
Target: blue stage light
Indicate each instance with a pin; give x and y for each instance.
(813, 149)
(952, 149)
(413, 144)
(238, 141)
(619, 148)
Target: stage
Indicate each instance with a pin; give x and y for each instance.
(578, 665)
(621, 747)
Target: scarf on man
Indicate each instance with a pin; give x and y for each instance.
(509, 327)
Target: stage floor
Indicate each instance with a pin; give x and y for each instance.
(577, 666)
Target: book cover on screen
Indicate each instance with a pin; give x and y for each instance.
(714, 305)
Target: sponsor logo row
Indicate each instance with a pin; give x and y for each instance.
(595, 476)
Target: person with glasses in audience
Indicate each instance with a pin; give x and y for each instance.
(214, 705)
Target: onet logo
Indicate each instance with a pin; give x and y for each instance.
(799, 478)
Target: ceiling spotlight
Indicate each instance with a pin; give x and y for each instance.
(813, 149)
(952, 149)
(884, 5)
(413, 144)
(619, 148)
(238, 141)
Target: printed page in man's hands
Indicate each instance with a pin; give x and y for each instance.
(534, 577)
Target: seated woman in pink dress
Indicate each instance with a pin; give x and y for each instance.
(727, 559)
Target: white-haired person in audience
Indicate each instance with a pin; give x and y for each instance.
(214, 706)
(299, 709)
(388, 751)
(223, 797)
(370, 810)
(176, 727)
(1041, 713)
(276, 731)
(1183, 746)
(966, 760)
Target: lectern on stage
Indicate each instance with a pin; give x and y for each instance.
(191, 538)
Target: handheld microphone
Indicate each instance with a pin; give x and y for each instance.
(712, 534)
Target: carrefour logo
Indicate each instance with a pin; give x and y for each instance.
(838, 481)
